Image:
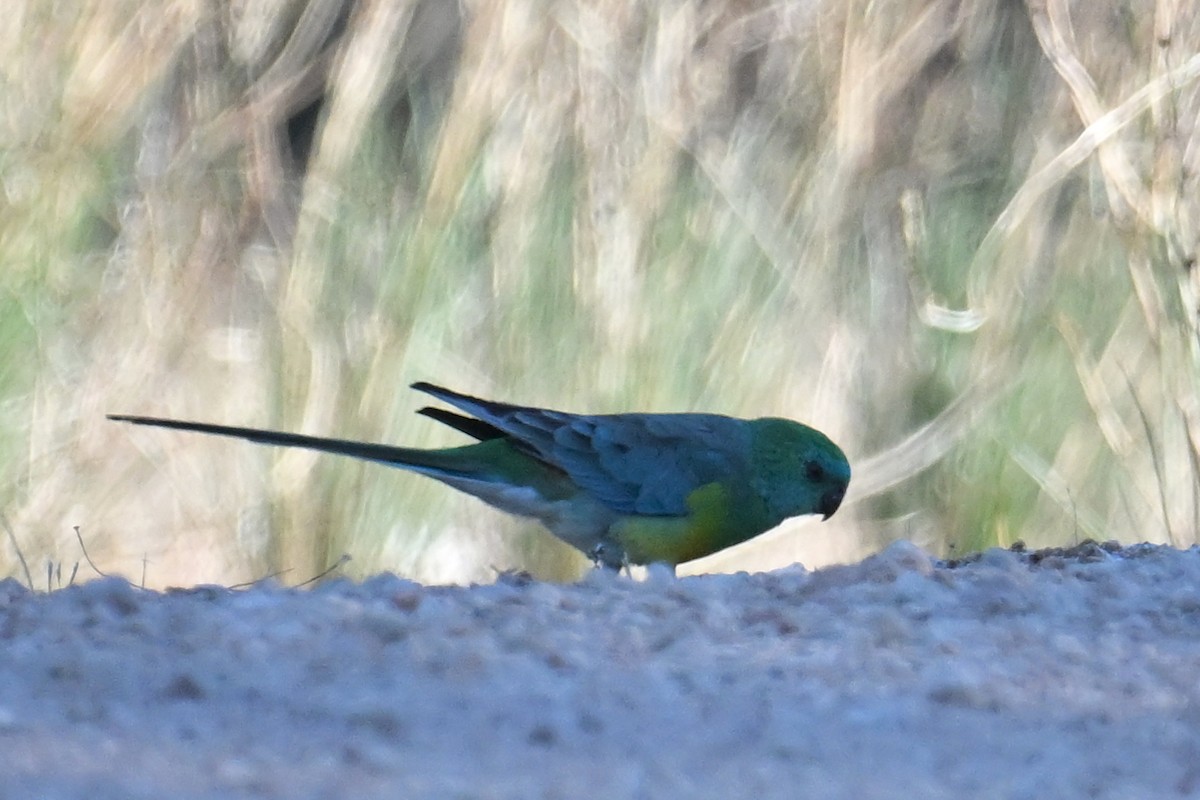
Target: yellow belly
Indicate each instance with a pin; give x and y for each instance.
(673, 540)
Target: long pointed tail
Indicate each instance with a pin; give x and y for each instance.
(409, 457)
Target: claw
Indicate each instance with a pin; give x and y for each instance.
(601, 556)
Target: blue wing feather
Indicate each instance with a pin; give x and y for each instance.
(633, 463)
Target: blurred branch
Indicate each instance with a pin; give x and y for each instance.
(926, 445)
(1119, 439)
(1058, 489)
(1093, 136)
(1052, 24)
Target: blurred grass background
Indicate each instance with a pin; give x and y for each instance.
(958, 237)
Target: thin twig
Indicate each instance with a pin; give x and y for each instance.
(341, 562)
(86, 557)
(256, 581)
(20, 556)
(337, 564)
(1159, 468)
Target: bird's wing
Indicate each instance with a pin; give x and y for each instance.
(639, 463)
(633, 463)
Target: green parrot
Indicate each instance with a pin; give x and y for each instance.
(622, 488)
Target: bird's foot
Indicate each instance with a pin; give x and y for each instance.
(609, 557)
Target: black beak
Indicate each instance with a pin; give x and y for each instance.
(830, 502)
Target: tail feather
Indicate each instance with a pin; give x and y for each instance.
(476, 428)
(406, 457)
(487, 410)
(493, 469)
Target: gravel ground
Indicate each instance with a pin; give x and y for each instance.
(1065, 674)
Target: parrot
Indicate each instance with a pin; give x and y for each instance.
(624, 489)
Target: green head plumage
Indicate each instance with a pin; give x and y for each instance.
(797, 469)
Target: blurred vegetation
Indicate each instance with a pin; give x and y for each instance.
(958, 237)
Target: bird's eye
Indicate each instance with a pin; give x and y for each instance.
(813, 471)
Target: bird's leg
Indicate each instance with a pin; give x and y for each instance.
(595, 555)
(602, 558)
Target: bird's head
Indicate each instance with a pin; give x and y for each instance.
(797, 469)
